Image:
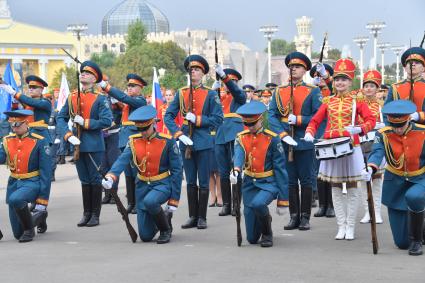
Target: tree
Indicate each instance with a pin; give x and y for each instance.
(334, 54)
(104, 60)
(136, 34)
(71, 77)
(280, 47)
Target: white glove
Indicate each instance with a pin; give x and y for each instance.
(289, 140)
(353, 130)
(292, 119)
(79, 120)
(414, 116)
(367, 175)
(57, 141)
(191, 117)
(186, 140)
(40, 207)
(102, 84)
(8, 89)
(308, 137)
(216, 85)
(170, 208)
(316, 81)
(320, 68)
(74, 140)
(107, 184)
(114, 101)
(379, 125)
(282, 210)
(234, 177)
(219, 70)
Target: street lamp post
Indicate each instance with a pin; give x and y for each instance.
(397, 50)
(269, 33)
(361, 42)
(375, 29)
(383, 46)
(78, 30)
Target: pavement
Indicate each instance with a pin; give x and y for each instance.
(66, 253)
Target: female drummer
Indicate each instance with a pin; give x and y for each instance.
(342, 121)
(371, 82)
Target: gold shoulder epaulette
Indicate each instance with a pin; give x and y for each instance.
(10, 135)
(37, 136)
(310, 85)
(420, 126)
(273, 134)
(168, 137)
(243, 132)
(207, 87)
(183, 88)
(386, 128)
(135, 136)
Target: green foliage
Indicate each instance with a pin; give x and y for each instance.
(71, 77)
(136, 34)
(104, 60)
(281, 47)
(334, 54)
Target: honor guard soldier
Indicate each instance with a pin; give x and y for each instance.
(413, 88)
(26, 155)
(206, 114)
(54, 134)
(402, 144)
(157, 159)
(249, 92)
(90, 113)
(266, 96)
(38, 123)
(232, 97)
(322, 77)
(260, 154)
(295, 111)
(132, 100)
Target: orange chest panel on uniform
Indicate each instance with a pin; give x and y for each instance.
(148, 155)
(86, 103)
(407, 148)
(300, 94)
(256, 146)
(199, 98)
(226, 101)
(403, 91)
(125, 113)
(30, 118)
(19, 152)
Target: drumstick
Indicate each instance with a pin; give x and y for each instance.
(380, 115)
(353, 114)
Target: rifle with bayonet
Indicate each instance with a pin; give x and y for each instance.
(412, 81)
(323, 47)
(371, 207)
(236, 188)
(188, 151)
(77, 107)
(217, 77)
(291, 111)
(422, 42)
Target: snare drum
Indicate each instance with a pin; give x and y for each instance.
(334, 148)
(369, 137)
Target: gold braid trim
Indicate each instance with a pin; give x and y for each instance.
(393, 162)
(142, 164)
(284, 111)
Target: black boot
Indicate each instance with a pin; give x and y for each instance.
(321, 192)
(53, 179)
(330, 212)
(1, 235)
(112, 201)
(161, 222)
(86, 191)
(192, 200)
(96, 205)
(202, 208)
(416, 221)
(61, 159)
(39, 218)
(306, 195)
(130, 184)
(24, 216)
(169, 215)
(266, 231)
(294, 209)
(226, 194)
(107, 198)
(236, 187)
(313, 199)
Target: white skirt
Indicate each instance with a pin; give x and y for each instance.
(344, 169)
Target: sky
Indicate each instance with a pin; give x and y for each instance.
(343, 20)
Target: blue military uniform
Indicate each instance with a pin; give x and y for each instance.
(96, 114)
(159, 177)
(29, 163)
(247, 88)
(226, 134)
(306, 102)
(131, 103)
(261, 156)
(209, 114)
(403, 190)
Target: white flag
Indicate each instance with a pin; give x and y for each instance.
(63, 93)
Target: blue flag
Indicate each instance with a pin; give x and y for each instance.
(5, 98)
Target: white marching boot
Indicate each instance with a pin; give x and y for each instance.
(377, 194)
(353, 196)
(363, 199)
(339, 207)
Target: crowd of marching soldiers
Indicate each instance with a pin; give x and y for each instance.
(232, 143)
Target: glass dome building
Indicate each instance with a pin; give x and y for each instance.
(123, 14)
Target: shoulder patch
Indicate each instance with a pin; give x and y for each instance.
(37, 136)
(244, 132)
(386, 128)
(165, 136)
(273, 134)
